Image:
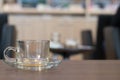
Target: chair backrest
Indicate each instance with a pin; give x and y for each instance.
(112, 36)
(8, 38)
(103, 21)
(3, 21)
(116, 38)
(7, 34)
(87, 38)
(111, 41)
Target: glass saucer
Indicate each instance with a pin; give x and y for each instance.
(50, 64)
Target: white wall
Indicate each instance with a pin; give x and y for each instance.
(41, 27)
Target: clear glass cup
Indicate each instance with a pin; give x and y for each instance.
(30, 54)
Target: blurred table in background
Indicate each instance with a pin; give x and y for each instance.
(66, 52)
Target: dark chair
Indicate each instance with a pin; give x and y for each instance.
(7, 34)
(87, 38)
(112, 42)
(112, 37)
(103, 22)
(108, 37)
(108, 27)
(3, 21)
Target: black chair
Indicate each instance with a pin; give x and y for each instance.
(87, 38)
(112, 37)
(3, 21)
(112, 43)
(7, 34)
(99, 53)
(103, 22)
(108, 21)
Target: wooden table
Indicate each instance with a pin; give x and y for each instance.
(67, 70)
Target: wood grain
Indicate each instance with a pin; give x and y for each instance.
(67, 70)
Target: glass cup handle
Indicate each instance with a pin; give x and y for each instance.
(6, 56)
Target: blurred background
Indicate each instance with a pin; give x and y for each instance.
(64, 22)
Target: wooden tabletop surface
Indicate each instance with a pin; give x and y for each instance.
(67, 70)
